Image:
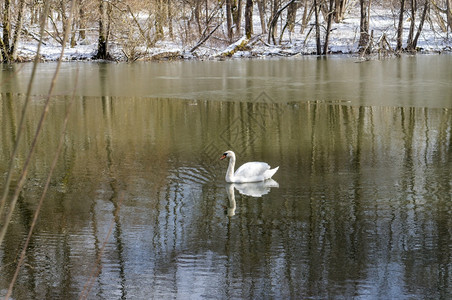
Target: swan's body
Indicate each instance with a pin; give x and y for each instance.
(249, 172)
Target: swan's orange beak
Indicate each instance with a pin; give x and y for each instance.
(222, 157)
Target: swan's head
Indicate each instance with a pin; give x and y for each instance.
(227, 154)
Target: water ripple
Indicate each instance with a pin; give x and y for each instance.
(186, 174)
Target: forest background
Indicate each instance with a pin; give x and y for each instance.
(172, 29)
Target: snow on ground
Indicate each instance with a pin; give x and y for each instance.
(52, 51)
(344, 38)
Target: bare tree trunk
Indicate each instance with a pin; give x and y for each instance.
(317, 28)
(249, 18)
(229, 20)
(18, 30)
(449, 13)
(170, 19)
(236, 11)
(364, 26)
(6, 57)
(82, 21)
(102, 46)
(159, 21)
(421, 23)
(291, 15)
(328, 27)
(409, 42)
(197, 15)
(272, 25)
(207, 12)
(33, 15)
(339, 11)
(290, 20)
(261, 7)
(304, 19)
(400, 27)
(274, 20)
(73, 39)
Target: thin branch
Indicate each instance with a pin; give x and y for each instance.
(54, 163)
(205, 38)
(21, 125)
(44, 193)
(35, 139)
(56, 36)
(143, 34)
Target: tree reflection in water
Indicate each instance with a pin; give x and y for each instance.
(363, 205)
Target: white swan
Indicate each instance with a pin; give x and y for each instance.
(250, 172)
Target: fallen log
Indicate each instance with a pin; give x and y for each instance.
(240, 45)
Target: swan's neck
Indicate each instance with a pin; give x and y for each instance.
(230, 171)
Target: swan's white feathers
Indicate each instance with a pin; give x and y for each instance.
(251, 169)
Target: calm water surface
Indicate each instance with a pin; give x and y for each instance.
(360, 207)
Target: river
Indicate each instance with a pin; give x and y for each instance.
(359, 208)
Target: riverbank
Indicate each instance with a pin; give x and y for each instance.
(343, 39)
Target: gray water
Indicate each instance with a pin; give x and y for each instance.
(359, 208)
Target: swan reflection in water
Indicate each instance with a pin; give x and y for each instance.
(252, 189)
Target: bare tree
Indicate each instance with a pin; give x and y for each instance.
(306, 16)
(339, 10)
(249, 18)
(274, 20)
(236, 11)
(102, 46)
(261, 8)
(412, 44)
(6, 56)
(449, 13)
(10, 41)
(400, 26)
(364, 41)
(290, 20)
(328, 26)
(229, 19)
(413, 10)
(198, 20)
(82, 22)
(159, 20)
(197, 14)
(317, 27)
(170, 18)
(18, 30)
